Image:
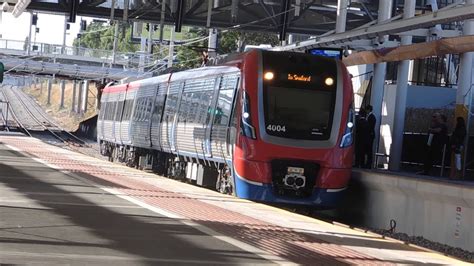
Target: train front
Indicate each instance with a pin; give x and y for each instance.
(296, 125)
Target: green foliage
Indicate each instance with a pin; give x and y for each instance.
(235, 41)
(100, 36)
(189, 56)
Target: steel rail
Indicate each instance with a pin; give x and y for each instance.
(15, 117)
(21, 97)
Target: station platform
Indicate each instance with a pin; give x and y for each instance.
(62, 207)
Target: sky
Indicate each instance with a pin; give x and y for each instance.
(51, 28)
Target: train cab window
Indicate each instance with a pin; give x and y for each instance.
(299, 101)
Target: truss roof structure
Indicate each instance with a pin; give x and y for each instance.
(309, 17)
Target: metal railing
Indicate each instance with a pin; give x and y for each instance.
(128, 59)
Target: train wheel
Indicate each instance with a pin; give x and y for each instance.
(225, 182)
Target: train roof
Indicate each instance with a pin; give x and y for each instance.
(203, 72)
(176, 76)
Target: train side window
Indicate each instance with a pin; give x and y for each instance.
(118, 111)
(147, 109)
(128, 109)
(225, 100)
(184, 107)
(135, 112)
(159, 101)
(172, 101)
(102, 111)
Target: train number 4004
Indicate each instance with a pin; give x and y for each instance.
(276, 128)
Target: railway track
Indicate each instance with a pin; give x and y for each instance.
(29, 118)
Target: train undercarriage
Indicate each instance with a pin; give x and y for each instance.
(209, 174)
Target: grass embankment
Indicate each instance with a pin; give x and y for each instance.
(68, 119)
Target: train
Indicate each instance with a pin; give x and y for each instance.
(267, 126)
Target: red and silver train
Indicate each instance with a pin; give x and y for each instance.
(265, 126)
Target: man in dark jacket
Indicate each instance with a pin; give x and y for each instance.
(361, 139)
(371, 124)
(437, 135)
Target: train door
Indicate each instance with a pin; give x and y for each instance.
(234, 119)
(169, 114)
(222, 116)
(210, 118)
(157, 113)
(118, 116)
(175, 118)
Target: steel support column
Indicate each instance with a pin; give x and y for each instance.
(341, 15)
(85, 96)
(115, 43)
(212, 43)
(28, 45)
(284, 18)
(401, 96)
(50, 84)
(179, 16)
(74, 89)
(378, 82)
(171, 49)
(162, 19)
(150, 38)
(63, 49)
(464, 92)
(234, 9)
(79, 97)
(62, 89)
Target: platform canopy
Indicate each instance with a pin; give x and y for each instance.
(309, 17)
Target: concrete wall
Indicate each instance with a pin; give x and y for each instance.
(430, 97)
(441, 212)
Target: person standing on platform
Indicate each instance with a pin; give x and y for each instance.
(436, 139)
(361, 139)
(457, 145)
(371, 124)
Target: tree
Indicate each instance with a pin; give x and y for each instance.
(190, 56)
(235, 41)
(100, 36)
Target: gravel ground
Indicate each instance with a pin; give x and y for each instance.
(423, 242)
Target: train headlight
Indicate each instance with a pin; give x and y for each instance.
(348, 137)
(248, 129)
(268, 75)
(329, 81)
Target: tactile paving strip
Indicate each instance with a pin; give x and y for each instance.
(294, 246)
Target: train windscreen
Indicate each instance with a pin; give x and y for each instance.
(299, 94)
